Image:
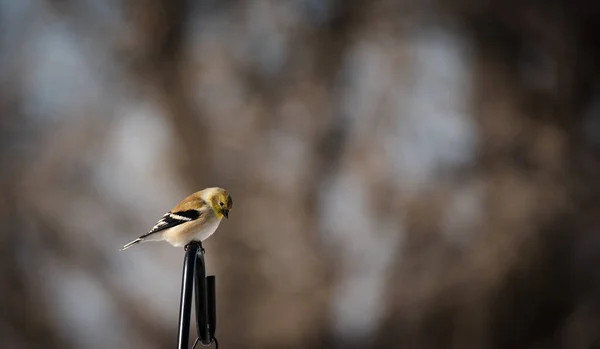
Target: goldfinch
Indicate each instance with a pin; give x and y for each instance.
(194, 219)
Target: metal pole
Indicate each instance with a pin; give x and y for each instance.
(187, 287)
(212, 305)
(202, 320)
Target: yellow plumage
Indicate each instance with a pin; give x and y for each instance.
(195, 218)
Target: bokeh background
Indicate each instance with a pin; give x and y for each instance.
(405, 174)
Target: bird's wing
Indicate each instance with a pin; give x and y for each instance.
(171, 219)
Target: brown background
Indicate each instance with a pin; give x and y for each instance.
(405, 174)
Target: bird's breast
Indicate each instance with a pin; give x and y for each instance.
(207, 230)
(198, 230)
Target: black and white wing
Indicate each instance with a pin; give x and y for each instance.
(171, 219)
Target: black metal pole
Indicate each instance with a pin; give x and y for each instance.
(187, 287)
(202, 323)
(212, 305)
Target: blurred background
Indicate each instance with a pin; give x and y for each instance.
(405, 174)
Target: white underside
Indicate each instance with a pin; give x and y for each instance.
(183, 234)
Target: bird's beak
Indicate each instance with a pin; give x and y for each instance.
(226, 213)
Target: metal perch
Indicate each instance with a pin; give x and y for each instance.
(194, 269)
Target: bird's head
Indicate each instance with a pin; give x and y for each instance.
(220, 200)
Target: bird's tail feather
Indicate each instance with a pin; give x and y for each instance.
(136, 241)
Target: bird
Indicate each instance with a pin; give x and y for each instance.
(195, 218)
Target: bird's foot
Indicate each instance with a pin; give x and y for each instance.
(200, 248)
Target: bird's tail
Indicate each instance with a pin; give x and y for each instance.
(136, 241)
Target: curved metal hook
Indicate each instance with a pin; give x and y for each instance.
(213, 339)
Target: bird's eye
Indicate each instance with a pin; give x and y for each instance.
(222, 204)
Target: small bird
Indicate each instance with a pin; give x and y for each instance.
(195, 218)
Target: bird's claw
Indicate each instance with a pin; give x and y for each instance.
(200, 249)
